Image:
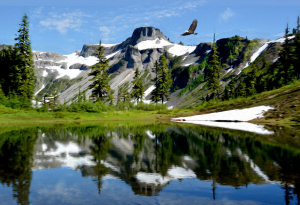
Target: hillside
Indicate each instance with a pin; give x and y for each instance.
(67, 74)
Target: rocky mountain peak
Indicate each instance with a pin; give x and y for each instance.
(146, 33)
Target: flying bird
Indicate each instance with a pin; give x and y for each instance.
(191, 29)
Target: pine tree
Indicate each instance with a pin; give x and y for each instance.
(242, 89)
(100, 85)
(214, 71)
(10, 78)
(251, 81)
(26, 65)
(110, 97)
(297, 51)
(155, 93)
(138, 87)
(123, 94)
(285, 61)
(165, 82)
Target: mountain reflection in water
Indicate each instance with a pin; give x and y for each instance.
(149, 159)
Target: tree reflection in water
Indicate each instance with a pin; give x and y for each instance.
(148, 157)
(16, 157)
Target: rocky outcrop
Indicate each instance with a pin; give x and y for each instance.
(144, 34)
(37, 55)
(202, 48)
(138, 35)
(79, 66)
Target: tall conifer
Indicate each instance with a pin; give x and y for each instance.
(26, 65)
(100, 85)
(214, 71)
(138, 87)
(297, 51)
(164, 79)
(155, 93)
(285, 67)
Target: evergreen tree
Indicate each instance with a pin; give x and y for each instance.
(214, 71)
(242, 89)
(297, 51)
(110, 97)
(100, 85)
(165, 82)
(251, 81)
(285, 62)
(26, 65)
(155, 93)
(123, 94)
(226, 93)
(138, 87)
(10, 78)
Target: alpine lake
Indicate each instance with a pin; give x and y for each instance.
(148, 164)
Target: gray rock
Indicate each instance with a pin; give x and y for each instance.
(79, 66)
(202, 48)
(145, 33)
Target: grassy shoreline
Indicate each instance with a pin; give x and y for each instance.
(285, 100)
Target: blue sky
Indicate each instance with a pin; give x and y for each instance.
(64, 26)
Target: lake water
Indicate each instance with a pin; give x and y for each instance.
(148, 164)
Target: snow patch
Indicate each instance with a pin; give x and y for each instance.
(274, 61)
(37, 92)
(230, 69)
(157, 43)
(44, 147)
(45, 73)
(231, 115)
(241, 115)
(187, 64)
(71, 73)
(149, 90)
(179, 50)
(281, 40)
(112, 54)
(146, 93)
(75, 58)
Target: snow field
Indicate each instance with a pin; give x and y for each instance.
(179, 50)
(242, 115)
(143, 45)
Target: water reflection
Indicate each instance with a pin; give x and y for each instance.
(149, 158)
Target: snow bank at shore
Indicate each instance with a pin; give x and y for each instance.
(243, 115)
(231, 119)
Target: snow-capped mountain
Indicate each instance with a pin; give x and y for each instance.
(66, 74)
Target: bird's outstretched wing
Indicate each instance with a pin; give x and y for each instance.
(193, 26)
(185, 34)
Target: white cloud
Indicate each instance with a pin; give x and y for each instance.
(63, 22)
(192, 5)
(115, 23)
(105, 30)
(38, 10)
(226, 14)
